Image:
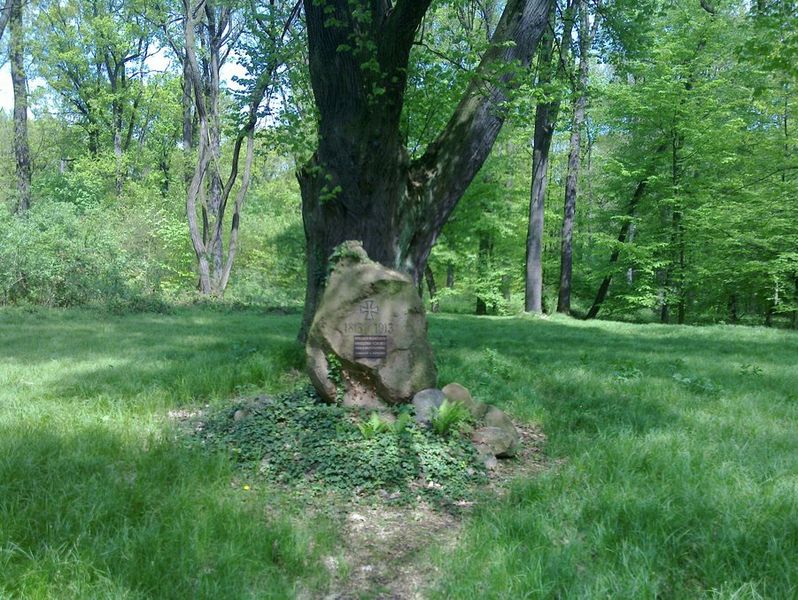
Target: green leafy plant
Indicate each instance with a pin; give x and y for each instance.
(336, 376)
(449, 417)
(403, 421)
(374, 426)
(296, 439)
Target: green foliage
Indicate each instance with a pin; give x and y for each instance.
(374, 426)
(297, 439)
(59, 257)
(449, 418)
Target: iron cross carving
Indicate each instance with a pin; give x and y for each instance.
(370, 309)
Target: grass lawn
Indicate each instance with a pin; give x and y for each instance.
(673, 451)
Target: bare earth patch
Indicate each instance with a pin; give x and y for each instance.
(385, 553)
(386, 548)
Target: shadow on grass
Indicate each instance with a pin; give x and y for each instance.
(89, 514)
(170, 359)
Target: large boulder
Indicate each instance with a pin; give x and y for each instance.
(367, 345)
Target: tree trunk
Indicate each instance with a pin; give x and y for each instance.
(433, 289)
(484, 267)
(450, 275)
(626, 227)
(206, 186)
(5, 15)
(574, 158)
(733, 310)
(360, 183)
(20, 84)
(187, 102)
(545, 120)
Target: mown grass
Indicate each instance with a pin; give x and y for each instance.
(98, 500)
(674, 460)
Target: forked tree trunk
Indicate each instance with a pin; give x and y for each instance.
(206, 186)
(20, 84)
(360, 183)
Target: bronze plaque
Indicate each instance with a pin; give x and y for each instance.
(371, 346)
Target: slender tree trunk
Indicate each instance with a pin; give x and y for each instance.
(733, 310)
(626, 227)
(450, 275)
(117, 129)
(206, 186)
(484, 267)
(5, 15)
(574, 158)
(545, 120)
(20, 84)
(630, 272)
(361, 184)
(544, 131)
(433, 289)
(187, 102)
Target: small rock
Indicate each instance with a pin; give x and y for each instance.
(425, 402)
(458, 393)
(497, 418)
(486, 456)
(240, 414)
(502, 443)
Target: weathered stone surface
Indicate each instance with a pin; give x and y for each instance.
(458, 393)
(501, 442)
(486, 456)
(372, 324)
(425, 402)
(494, 417)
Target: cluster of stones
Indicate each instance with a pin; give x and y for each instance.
(367, 347)
(494, 436)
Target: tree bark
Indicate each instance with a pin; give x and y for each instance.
(5, 16)
(545, 120)
(20, 85)
(360, 183)
(433, 289)
(484, 266)
(574, 158)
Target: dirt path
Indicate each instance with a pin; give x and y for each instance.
(386, 548)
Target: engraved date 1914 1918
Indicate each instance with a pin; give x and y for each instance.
(373, 328)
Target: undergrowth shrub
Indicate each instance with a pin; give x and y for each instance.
(297, 439)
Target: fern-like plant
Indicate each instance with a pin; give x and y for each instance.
(450, 416)
(374, 426)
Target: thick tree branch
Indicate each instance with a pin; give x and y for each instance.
(442, 174)
(5, 15)
(708, 7)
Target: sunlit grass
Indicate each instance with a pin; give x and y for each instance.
(673, 460)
